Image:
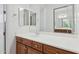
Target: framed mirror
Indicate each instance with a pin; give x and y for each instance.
(26, 17)
(23, 15)
(64, 19)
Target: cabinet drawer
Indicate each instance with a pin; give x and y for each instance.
(61, 51)
(49, 50)
(19, 39)
(33, 51)
(20, 48)
(27, 42)
(37, 45)
(53, 50)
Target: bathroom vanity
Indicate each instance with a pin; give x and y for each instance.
(63, 41)
(31, 46)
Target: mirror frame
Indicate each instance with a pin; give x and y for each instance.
(64, 30)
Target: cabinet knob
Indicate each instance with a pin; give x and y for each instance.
(56, 53)
(36, 46)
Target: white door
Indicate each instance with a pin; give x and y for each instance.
(1, 30)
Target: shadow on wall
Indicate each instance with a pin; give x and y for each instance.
(13, 47)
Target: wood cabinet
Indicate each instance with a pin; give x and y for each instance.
(33, 51)
(50, 50)
(26, 46)
(20, 48)
(37, 45)
(27, 42)
(53, 50)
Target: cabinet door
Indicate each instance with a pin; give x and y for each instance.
(21, 49)
(61, 51)
(54, 50)
(37, 45)
(18, 48)
(49, 50)
(33, 51)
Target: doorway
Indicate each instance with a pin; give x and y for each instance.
(2, 29)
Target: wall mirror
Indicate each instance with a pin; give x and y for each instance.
(64, 19)
(23, 15)
(26, 17)
(32, 18)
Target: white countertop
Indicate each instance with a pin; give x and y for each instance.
(70, 44)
